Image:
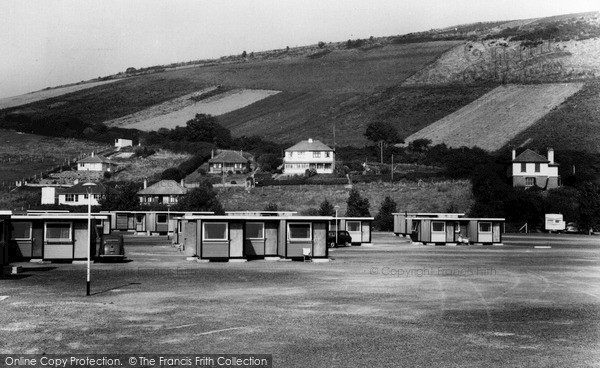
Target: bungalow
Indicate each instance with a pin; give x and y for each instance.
(96, 163)
(453, 230)
(164, 192)
(54, 236)
(309, 154)
(359, 228)
(228, 161)
(77, 195)
(531, 169)
(242, 237)
(121, 143)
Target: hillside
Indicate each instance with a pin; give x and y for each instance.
(290, 94)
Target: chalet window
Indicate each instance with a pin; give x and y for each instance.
(523, 167)
(255, 230)
(485, 227)
(457, 227)
(58, 231)
(316, 154)
(300, 231)
(214, 231)
(353, 225)
(161, 218)
(438, 226)
(529, 182)
(21, 230)
(537, 167)
(70, 197)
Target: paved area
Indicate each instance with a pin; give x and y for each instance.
(393, 304)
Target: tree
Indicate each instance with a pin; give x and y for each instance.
(326, 209)
(419, 145)
(384, 220)
(357, 205)
(204, 128)
(382, 133)
(589, 206)
(202, 198)
(269, 162)
(172, 173)
(123, 198)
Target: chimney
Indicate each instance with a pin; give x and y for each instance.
(310, 140)
(182, 184)
(145, 183)
(92, 154)
(514, 154)
(551, 155)
(212, 153)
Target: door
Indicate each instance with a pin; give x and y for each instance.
(81, 240)
(140, 220)
(37, 241)
(254, 239)
(355, 231)
(121, 221)
(438, 232)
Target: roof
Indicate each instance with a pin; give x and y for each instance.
(82, 189)
(229, 156)
(310, 145)
(530, 156)
(164, 187)
(94, 159)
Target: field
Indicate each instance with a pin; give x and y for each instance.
(46, 94)
(311, 90)
(175, 113)
(497, 117)
(410, 196)
(24, 155)
(138, 168)
(394, 304)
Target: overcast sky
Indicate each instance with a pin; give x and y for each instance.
(45, 43)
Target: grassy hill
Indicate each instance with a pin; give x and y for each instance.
(411, 80)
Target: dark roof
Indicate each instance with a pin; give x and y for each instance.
(530, 156)
(310, 145)
(229, 156)
(164, 187)
(95, 159)
(81, 189)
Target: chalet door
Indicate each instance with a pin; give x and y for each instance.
(81, 240)
(121, 221)
(139, 222)
(37, 241)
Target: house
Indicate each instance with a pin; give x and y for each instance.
(228, 161)
(309, 154)
(97, 163)
(77, 195)
(532, 169)
(121, 143)
(164, 192)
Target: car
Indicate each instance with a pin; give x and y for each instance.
(571, 228)
(343, 238)
(112, 248)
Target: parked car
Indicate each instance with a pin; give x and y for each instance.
(343, 238)
(571, 228)
(112, 248)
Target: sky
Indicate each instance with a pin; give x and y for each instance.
(47, 43)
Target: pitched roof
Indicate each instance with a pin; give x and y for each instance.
(530, 156)
(310, 145)
(164, 187)
(229, 156)
(94, 160)
(81, 189)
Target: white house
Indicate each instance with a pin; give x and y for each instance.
(532, 169)
(121, 142)
(95, 163)
(77, 195)
(309, 154)
(164, 192)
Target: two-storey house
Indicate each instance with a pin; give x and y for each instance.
(532, 169)
(309, 154)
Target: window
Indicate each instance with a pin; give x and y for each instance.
(327, 154)
(299, 231)
(70, 197)
(21, 230)
(58, 231)
(438, 226)
(289, 154)
(353, 225)
(316, 154)
(523, 167)
(214, 231)
(529, 182)
(485, 227)
(457, 227)
(161, 218)
(301, 154)
(139, 218)
(537, 167)
(255, 230)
